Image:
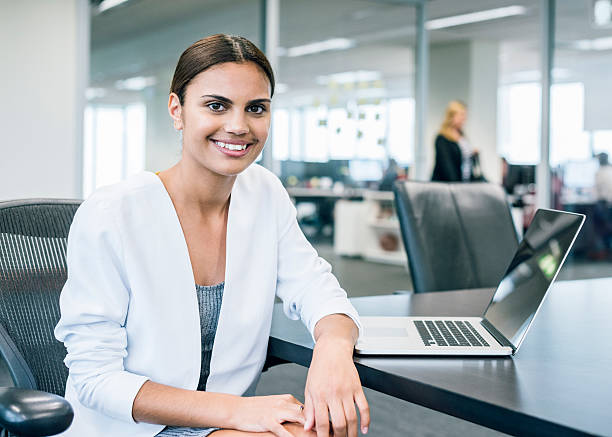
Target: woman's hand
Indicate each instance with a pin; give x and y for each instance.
(333, 387)
(267, 413)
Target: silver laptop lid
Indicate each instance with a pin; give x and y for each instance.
(534, 267)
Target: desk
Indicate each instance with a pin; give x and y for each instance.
(559, 383)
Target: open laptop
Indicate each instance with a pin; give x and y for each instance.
(505, 322)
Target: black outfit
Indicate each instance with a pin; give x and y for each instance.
(448, 161)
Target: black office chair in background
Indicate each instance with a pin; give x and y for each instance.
(33, 235)
(456, 235)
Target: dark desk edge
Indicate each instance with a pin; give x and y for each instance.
(460, 406)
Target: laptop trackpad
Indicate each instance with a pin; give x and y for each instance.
(385, 332)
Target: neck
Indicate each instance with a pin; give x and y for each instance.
(198, 189)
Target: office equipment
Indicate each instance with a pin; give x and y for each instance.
(303, 171)
(447, 231)
(580, 174)
(361, 170)
(557, 385)
(519, 175)
(33, 236)
(502, 327)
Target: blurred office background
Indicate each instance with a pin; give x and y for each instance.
(360, 82)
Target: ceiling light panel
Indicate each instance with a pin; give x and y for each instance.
(475, 17)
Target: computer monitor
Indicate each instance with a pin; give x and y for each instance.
(519, 174)
(335, 169)
(580, 174)
(365, 170)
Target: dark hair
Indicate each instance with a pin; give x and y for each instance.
(213, 50)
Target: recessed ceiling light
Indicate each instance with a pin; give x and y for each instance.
(475, 17)
(107, 4)
(349, 77)
(602, 13)
(593, 44)
(137, 83)
(94, 93)
(317, 47)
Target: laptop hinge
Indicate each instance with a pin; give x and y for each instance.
(497, 335)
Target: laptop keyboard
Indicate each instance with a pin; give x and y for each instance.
(448, 333)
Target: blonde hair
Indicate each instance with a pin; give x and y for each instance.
(447, 129)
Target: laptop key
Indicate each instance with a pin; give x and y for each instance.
(446, 333)
(455, 331)
(478, 336)
(435, 333)
(468, 334)
(423, 332)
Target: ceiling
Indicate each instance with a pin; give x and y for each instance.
(146, 36)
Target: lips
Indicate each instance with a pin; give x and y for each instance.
(232, 147)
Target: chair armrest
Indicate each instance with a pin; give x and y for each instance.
(33, 413)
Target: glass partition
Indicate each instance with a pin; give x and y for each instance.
(581, 128)
(345, 85)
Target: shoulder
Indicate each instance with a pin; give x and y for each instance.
(260, 179)
(116, 198)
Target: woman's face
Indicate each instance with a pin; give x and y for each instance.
(459, 118)
(225, 117)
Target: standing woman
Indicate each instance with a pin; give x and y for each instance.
(172, 278)
(455, 160)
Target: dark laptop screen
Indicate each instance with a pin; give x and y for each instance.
(535, 265)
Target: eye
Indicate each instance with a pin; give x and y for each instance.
(215, 106)
(256, 109)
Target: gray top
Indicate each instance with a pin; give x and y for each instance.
(209, 301)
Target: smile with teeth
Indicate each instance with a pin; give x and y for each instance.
(230, 146)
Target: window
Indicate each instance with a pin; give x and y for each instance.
(113, 144)
(373, 131)
(519, 123)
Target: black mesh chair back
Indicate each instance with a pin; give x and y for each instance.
(33, 235)
(457, 236)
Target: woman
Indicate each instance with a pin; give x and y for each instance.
(455, 160)
(162, 267)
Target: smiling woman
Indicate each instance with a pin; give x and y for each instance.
(167, 325)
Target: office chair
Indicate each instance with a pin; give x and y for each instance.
(33, 235)
(457, 236)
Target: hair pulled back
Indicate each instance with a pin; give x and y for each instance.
(447, 129)
(213, 50)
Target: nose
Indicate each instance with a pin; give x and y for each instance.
(237, 123)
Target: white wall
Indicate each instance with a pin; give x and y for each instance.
(44, 46)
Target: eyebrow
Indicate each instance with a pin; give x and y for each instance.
(226, 100)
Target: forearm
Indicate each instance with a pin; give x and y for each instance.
(339, 328)
(158, 403)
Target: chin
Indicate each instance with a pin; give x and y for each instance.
(232, 169)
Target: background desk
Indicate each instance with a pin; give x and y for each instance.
(559, 383)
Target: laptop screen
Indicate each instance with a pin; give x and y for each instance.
(533, 268)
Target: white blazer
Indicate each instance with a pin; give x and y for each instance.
(129, 309)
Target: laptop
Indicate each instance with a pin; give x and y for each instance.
(507, 318)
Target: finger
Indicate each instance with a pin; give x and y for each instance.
(364, 411)
(336, 411)
(351, 418)
(309, 414)
(322, 419)
(279, 430)
(296, 414)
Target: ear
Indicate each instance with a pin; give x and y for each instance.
(175, 109)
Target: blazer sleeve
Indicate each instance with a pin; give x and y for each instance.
(450, 169)
(94, 304)
(305, 284)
